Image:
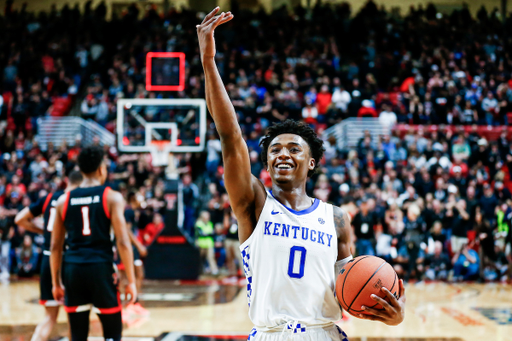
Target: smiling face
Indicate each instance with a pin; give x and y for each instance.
(289, 159)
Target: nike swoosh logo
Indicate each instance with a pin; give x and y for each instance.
(274, 213)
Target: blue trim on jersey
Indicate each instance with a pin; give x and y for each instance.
(306, 211)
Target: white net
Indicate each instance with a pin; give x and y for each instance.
(160, 153)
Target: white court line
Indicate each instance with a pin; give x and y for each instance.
(172, 337)
(98, 338)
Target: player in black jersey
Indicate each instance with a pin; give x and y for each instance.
(25, 218)
(89, 278)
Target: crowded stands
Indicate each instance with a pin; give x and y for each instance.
(432, 198)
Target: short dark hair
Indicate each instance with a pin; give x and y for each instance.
(90, 159)
(75, 178)
(316, 145)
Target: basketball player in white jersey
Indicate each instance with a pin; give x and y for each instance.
(292, 245)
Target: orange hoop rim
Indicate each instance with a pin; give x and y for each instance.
(160, 144)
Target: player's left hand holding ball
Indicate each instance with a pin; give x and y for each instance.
(393, 313)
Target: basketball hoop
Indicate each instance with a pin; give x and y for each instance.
(160, 152)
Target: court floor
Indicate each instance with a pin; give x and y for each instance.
(215, 310)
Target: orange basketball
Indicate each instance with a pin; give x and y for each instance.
(361, 277)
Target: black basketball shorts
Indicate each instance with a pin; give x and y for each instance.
(45, 283)
(91, 286)
(137, 261)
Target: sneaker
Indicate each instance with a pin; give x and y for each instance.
(137, 309)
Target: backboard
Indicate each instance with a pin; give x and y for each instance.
(176, 125)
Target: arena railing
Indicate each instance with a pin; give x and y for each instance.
(350, 131)
(68, 128)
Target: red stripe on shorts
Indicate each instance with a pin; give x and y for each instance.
(70, 309)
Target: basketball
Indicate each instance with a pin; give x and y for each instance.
(362, 277)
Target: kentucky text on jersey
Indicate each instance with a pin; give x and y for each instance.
(85, 200)
(297, 232)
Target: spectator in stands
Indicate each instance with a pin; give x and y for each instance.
(364, 224)
(341, 97)
(413, 236)
(461, 149)
(213, 158)
(437, 234)
(501, 192)
(89, 107)
(438, 264)
(387, 117)
(26, 258)
(394, 218)
(204, 236)
(457, 219)
(190, 197)
(310, 113)
(148, 234)
(488, 203)
(367, 109)
(490, 107)
(485, 238)
(466, 264)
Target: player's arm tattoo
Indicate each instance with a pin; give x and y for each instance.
(341, 222)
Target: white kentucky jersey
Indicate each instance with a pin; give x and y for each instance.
(289, 264)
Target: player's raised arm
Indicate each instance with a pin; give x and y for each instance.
(242, 187)
(116, 207)
(217, 98)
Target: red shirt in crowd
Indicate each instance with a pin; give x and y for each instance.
(20, 188)
(323, 99)
(367, 111)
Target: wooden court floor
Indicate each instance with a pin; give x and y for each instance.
(183, 311)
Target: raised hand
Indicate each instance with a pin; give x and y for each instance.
(205, 31)
(393, 313)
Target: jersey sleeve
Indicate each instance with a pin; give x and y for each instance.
(37, 208)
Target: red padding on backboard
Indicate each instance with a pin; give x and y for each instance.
(180, 86)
